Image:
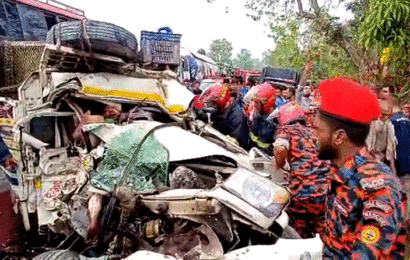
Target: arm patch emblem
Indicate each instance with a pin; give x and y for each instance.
(370, 234)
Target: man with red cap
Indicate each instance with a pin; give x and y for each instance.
(366, 205)
(307, 178)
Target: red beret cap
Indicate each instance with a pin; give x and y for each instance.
(347, 99)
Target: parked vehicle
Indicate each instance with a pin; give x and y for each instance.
(23, 30)
(205, 83)
(280, 75)
(29, 20)
(248, 75)
(195, 66)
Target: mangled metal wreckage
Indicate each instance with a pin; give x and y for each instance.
(157, 183)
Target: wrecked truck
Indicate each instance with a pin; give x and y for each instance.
(155, 182)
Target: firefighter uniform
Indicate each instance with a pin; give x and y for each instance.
(257, 109)
(366, 205)
(365, 211)
(307, 178)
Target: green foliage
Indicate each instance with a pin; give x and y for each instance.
(244, 59)
(201, 51)
(386, 23)
(273, 9)
(221, 51)
(287, 52)
(329, 61)
(335, 48)
(402, 92)
(397, 72)
(258, 64)
(400, 63)
(385, 26)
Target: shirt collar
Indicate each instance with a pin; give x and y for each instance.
(344, 173)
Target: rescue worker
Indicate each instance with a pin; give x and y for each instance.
(366, 206)
(227, 116)
(198, 109)
(307, 179)
(261, 104)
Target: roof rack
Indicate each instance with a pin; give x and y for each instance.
(64, 58)
(67, 59)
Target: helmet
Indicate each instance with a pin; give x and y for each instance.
(291, 112)
(217, 94)
(266, 95)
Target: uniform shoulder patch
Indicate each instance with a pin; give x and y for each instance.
(373, 183)
(380, 218)
(370, 234)
(380, 182)
(343, 208)
(378, 205)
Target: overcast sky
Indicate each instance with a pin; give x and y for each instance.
(198, 21)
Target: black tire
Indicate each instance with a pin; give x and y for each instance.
(290, 233)
(58, 255)
(104, 38)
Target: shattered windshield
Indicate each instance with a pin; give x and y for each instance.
(145, 165)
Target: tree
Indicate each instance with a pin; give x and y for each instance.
(221, 52)
(378, 37)
(283, 9)
(201, 51)
(244, 59)
(385, 24)
(321, 26)
(266, 58)
(329, 61)
(287, 52)
(258, 64)
(385, 27)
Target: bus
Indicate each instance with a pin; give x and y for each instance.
(23, 30)
(29, 20)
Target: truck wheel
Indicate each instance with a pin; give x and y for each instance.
(95, 36)
(290, 233)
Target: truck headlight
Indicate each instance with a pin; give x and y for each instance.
(263, 194)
